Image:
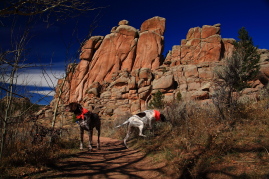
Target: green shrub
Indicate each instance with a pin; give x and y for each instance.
(157, 101)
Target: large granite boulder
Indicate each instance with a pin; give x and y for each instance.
(201, 45)
(150, 44)
(120, 73)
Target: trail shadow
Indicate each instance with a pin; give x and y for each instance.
(112, 161)
(241, 169)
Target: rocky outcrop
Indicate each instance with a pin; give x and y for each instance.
(264, 71)
(125, 48)
(201, 45)
(150, 44)
(119, 73)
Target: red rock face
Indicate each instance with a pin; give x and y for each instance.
(227, 47)
(208, 31)
(155, 25)
(90, 47)
(201, 45)
(127, 49)
(116, 52)
(77, 82)
(149, 48)
(123, 70)
(123, 49)
(150, 44)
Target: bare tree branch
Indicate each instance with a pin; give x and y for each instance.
(34, 7)
(12, 92)
(14, 57)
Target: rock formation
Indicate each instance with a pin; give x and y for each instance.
(125, 48)
(120, 72)
(201, 45)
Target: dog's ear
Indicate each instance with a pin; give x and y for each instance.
(141, 114)
(163, 118)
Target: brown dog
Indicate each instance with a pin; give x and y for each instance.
(87, 121)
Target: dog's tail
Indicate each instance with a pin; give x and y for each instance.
(126, 122)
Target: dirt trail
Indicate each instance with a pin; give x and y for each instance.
(112, 161)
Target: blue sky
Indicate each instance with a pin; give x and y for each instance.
(59, 44)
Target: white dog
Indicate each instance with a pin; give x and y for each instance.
(140, 120)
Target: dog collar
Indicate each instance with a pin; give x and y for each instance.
(84, 111)
(157, 115)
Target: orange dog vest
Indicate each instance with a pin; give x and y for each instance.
(157, 115)
(84, 111)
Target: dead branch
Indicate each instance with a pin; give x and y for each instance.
(34, 7)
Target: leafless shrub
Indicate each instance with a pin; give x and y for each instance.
(59, 9)
(22, 16)
(222, 100)
(191, 136)
(30, 143)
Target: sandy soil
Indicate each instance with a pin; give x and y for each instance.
(112, 161)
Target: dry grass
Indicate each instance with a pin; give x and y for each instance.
(195, 143)
(109, 130)
(31, 147)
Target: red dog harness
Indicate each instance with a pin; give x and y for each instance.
(157, 115)
(84, 111)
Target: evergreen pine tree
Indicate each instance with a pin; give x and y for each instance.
(243, 65)
(250, 57)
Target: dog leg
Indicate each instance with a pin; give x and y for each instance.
(90, 139)
(129, 131)
(140, 130)
(150, 124)
(98, 140)
(81, 139)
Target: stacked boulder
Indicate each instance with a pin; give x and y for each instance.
(201, 45)
(120, 73)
